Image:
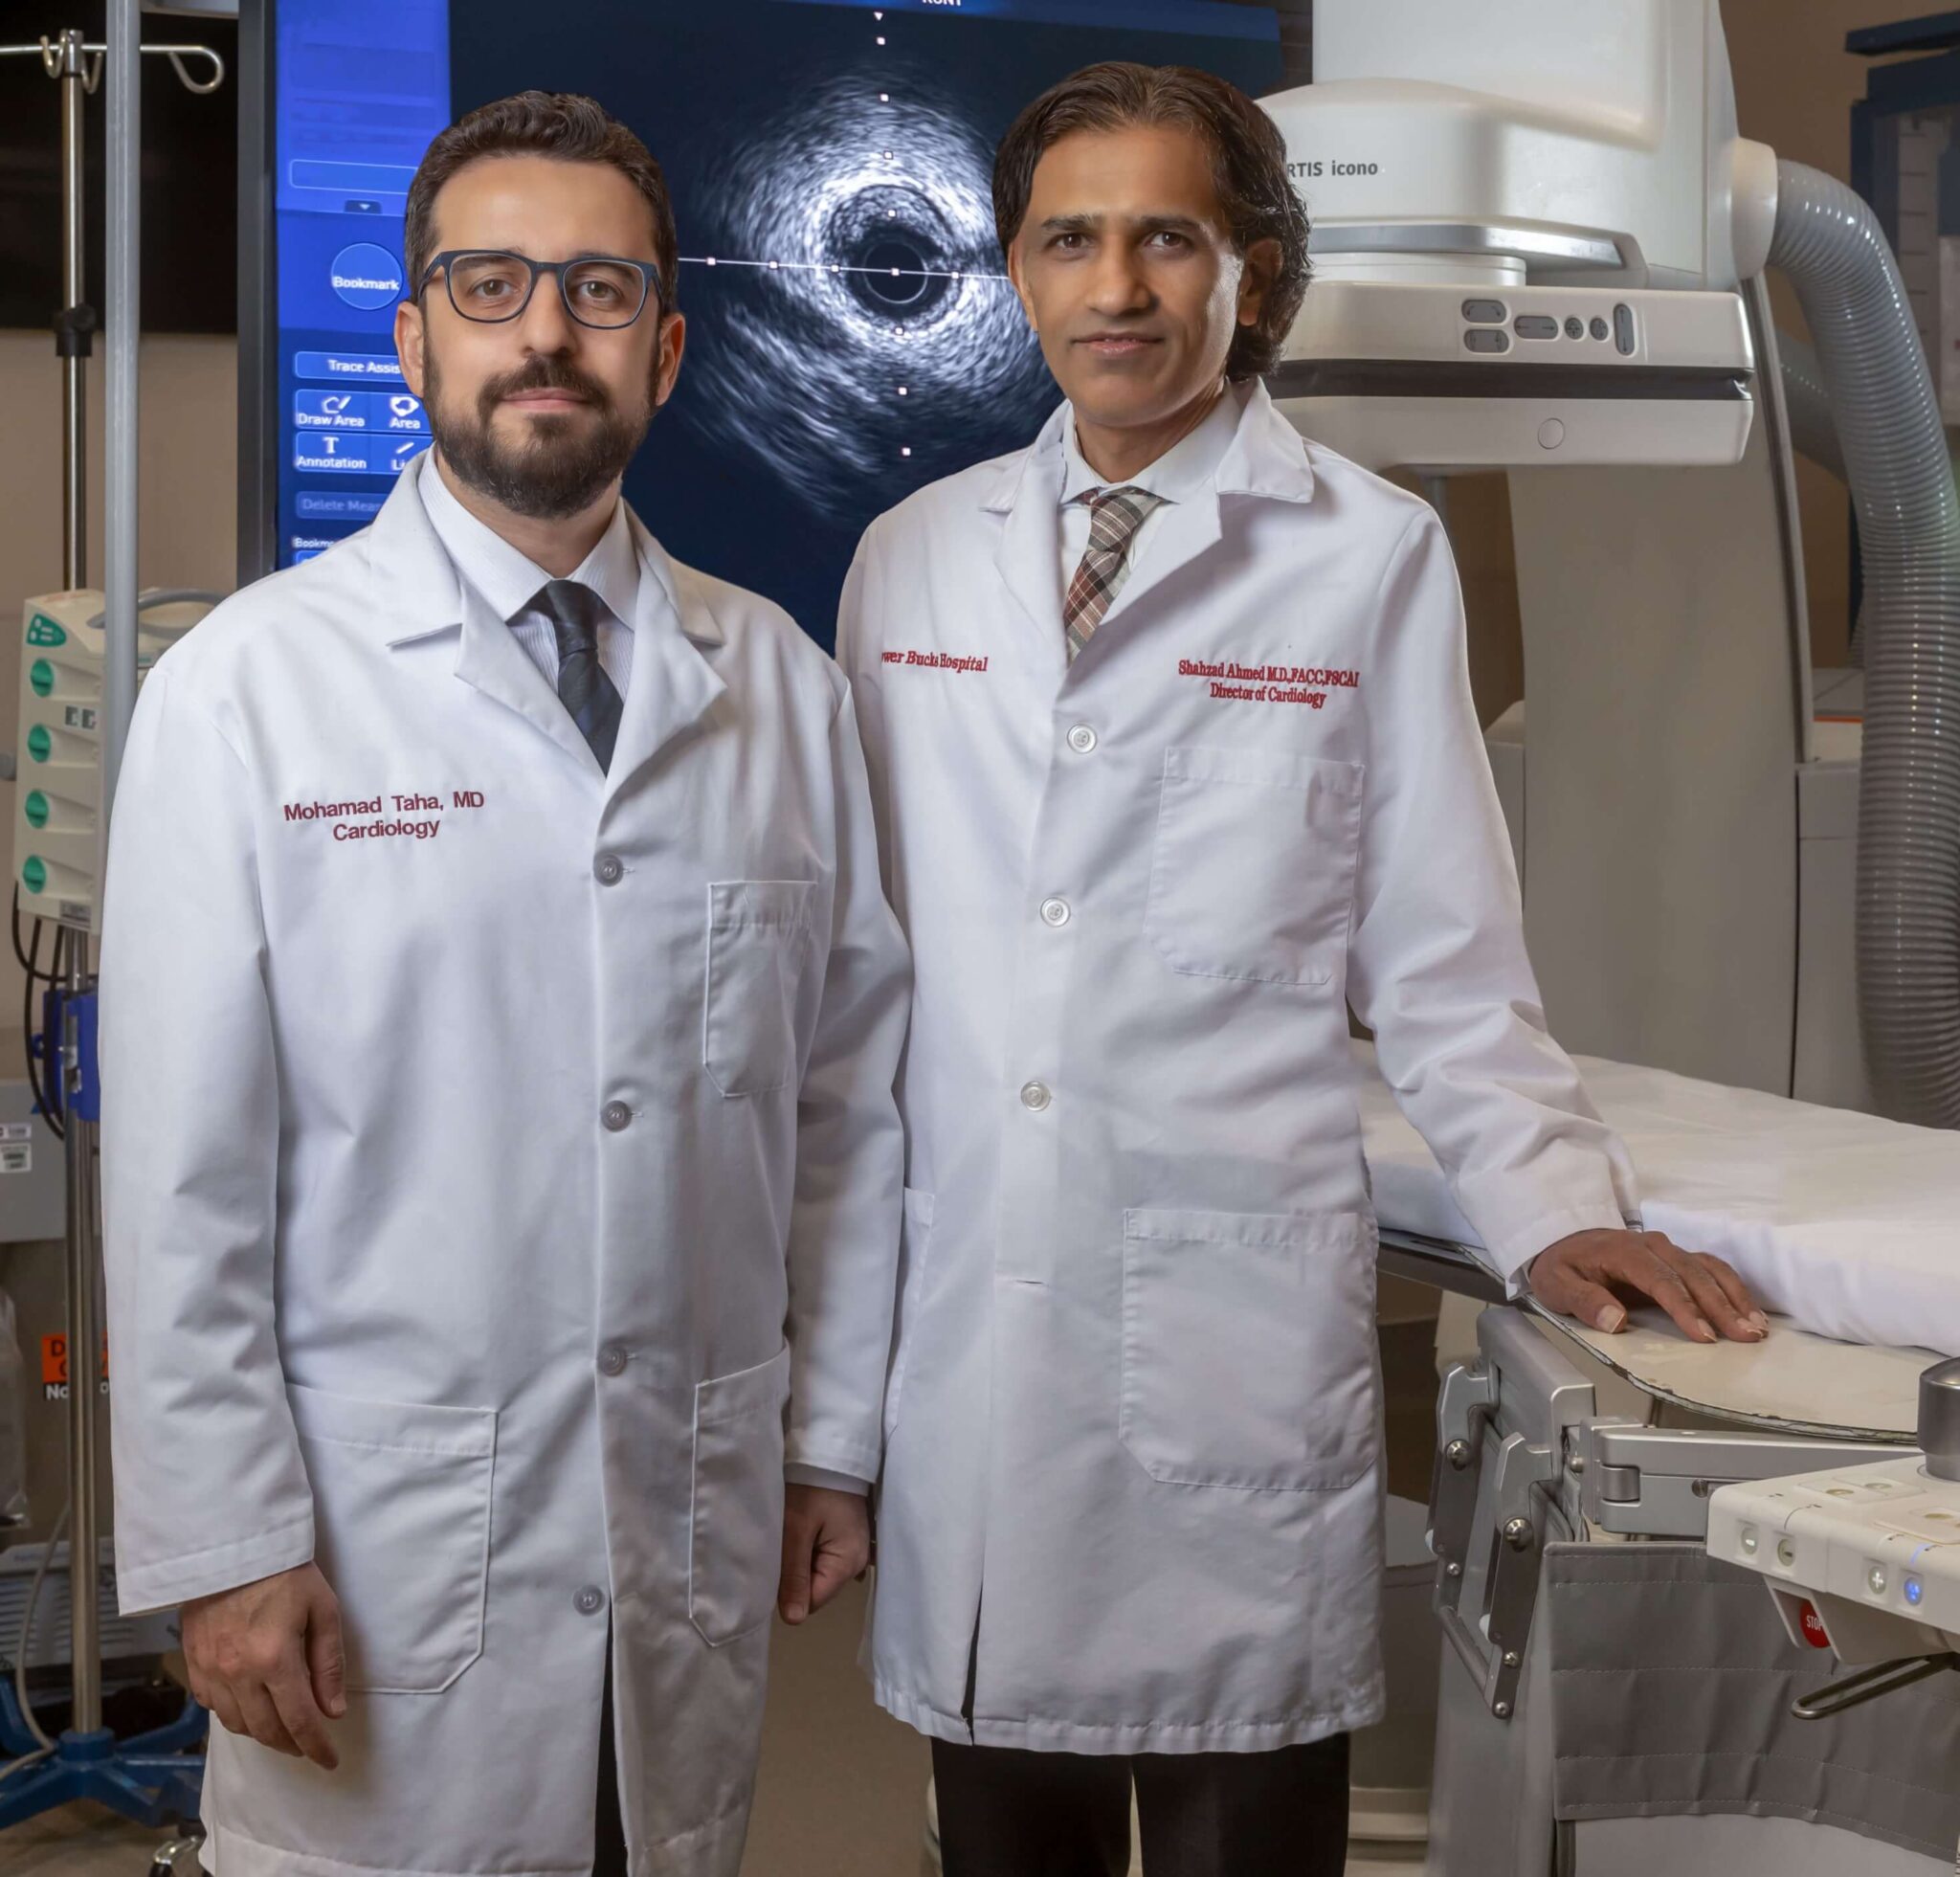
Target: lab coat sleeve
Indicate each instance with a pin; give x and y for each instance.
(818, 1475)
(1438, 964)
(210, 1491)
(855, 628)
(850, 1154)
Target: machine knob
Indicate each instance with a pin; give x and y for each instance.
(1939, 1420)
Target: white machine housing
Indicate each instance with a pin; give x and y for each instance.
(57, 807)
(1535, 375)
(1454, 157)
(1588, 142)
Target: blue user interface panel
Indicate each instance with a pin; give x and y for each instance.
(362, 87)
(851, 334)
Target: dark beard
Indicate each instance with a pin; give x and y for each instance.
(565, 464)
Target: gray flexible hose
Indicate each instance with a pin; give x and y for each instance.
(1831, 247)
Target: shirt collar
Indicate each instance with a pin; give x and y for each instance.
(1179, 473)
(508, 579)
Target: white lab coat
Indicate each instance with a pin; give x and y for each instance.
(479, 1213)
(1133, 1423)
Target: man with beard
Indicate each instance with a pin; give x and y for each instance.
(501, 1169)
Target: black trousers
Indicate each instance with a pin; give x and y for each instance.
(1006, 1813)
(609, 1832)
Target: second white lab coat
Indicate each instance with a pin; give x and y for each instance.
(1131, 1492)
(503, 1180)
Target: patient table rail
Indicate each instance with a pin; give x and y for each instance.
(1524, 1458)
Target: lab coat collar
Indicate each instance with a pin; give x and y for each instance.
(1180, 473)
(1266, 456)
(418, 595)
(417, 589)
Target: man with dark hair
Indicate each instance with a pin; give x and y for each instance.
(500, 1017)
(1173, 752)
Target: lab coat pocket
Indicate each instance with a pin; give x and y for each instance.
(759, 936)
(401, 1514)
(736, 1547)
(915, 1258)
(1252, 873)
(1249, 1349)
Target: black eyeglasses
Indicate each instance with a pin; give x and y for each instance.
(490, 287)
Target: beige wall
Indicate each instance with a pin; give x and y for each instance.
(188, 472)
(188, 486)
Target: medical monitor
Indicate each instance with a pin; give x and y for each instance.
(851, 334)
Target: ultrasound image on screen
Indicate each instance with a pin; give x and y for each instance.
(852, 332)
(879, 341)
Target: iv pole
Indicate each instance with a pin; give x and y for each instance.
(151, 1780)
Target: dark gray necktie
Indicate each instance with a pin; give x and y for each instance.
(584, 688)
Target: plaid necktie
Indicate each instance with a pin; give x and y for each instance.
(1114, 515)
(584, 688)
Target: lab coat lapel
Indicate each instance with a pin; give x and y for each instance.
(1265, 457)
(418, 594)
(1028, 500)
(675, 683)
(493, 663)
(1184, 530)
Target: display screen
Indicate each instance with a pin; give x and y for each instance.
(851, 332)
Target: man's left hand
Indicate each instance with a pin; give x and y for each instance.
(1579, 1276)
(826, 1543)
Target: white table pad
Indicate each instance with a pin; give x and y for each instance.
(1844, 1225)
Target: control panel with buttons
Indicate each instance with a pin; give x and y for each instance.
(1566, 318)
(1511, 373)
(1864, 1561)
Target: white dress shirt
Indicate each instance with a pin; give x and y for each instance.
(508, 581)
(1175, 475)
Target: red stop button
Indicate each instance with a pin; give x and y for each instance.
(1813, 1626)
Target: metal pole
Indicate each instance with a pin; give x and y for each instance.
(84, 1343)
(72, 70)
(123, 322)
(66, 59)
(123, 70)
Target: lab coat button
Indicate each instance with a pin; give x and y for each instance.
(613, 1360)
(1082, 739)
(589, 1601)
(616, 1117)
(1035, 1096)
(1056, 911)
(609, 869)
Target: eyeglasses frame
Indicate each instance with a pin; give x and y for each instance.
(649, 272)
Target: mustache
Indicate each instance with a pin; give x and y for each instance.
(552, 473)
(540, 374)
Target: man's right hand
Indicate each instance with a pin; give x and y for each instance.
(266, 1660)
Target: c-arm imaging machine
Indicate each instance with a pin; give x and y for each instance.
(1539, 249)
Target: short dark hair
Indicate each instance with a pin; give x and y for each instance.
(560, 125)
(1248, 160)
